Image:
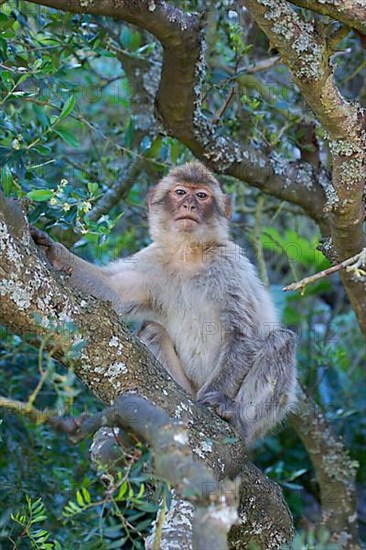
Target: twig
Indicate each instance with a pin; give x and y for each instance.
(118, 191)
(263, 65)
(26, 409)
(160, 524)
(226, 104)
(354, 263)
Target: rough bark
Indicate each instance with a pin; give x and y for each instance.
(177, 527)
(350, 12)
(335, 472)
(178, 103)
(215, 512)
(306, 50)
(336, 206)
(109, 360)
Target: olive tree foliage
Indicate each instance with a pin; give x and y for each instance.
(99, 100)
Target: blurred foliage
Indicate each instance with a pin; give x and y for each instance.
(76, 96)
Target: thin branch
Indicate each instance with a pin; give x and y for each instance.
(25, 409)
(117, 192)
(225, 105)
(263, 65)
(355, 264)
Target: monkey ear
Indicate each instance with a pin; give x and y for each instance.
(227, 208)
(150, 196)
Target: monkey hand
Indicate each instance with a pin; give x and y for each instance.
(223, 405)
(57, 254)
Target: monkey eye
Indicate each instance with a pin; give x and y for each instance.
(202, 195)
(180, 192)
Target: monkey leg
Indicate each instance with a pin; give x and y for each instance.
(268, 390)
(156, 338)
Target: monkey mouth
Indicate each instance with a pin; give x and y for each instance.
(187, 218)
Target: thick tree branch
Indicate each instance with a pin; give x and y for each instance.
(335, 472)
(350, 12)
(108, 359)
(307, 53)
(179, 99)
(172, 462)
(215, 510)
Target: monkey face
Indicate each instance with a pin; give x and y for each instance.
(190, 206)
(188, 203)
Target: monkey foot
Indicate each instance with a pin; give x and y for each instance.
(224, 406)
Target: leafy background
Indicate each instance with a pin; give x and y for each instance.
(76, 121)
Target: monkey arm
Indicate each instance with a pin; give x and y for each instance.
(120, 283)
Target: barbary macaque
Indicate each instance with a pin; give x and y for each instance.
(205, 315)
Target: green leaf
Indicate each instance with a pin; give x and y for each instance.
(129, 134)
(146, 506)
(37, 64)
(68, 136)
(92, 188)
(122, 491)
(86, 495)
(43, 150)
(79, 499)
(40, 195)
(68, 107)
(6, 180)
(135, 41)
(141, 491)
(155, 147)
(38, 518)
(174, 151)
(126, 37)
(41, 116)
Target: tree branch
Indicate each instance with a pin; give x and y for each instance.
(172, 461)
(350, 12)
(119, 191)
(335, 472)
(178, 103)
(306, 52)
(356, 265)
(108, 359)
